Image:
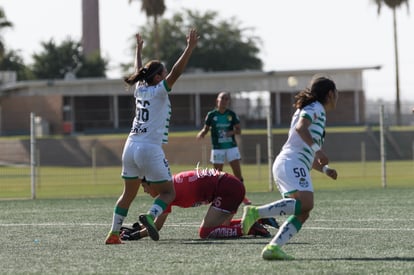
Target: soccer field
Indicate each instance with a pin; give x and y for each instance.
(350, 231)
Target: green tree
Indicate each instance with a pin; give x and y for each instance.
(223, 44)
(92, 66)
(393, 5)
(154, 9)
(56, 61)
(12, 61)
(4, 23)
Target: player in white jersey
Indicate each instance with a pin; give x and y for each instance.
(143, 156)
(291, 168)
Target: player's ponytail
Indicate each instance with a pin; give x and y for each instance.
(304, 98)
(146, 73)
(318, 91)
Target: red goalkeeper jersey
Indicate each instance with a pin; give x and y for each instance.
(204, 186)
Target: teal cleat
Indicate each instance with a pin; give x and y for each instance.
(274, 252)
(250, 216)
(148, 222)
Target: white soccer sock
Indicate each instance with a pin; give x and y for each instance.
(155, 210)
(277, 208)
(118, 218)
(117, 221)
(285, 233)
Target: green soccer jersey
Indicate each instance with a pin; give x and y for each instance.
(220, 124)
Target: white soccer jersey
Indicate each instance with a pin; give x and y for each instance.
(152, 114)
(295, 148)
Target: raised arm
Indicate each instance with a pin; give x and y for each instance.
(138, 52)
(182, 61)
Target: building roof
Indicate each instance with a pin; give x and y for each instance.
(347, 79)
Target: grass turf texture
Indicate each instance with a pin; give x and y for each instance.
(349, 232)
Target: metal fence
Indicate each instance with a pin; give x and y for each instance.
(91, 165)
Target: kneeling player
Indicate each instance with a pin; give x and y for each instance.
(205, 186)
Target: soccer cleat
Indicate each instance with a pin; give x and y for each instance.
(258, 230)
(274, 252)
(270, 222)
(137, 226)
(246, 201)
(148, 222)
(250, 216)
(126, 230)
(113, 238)
(131, 234)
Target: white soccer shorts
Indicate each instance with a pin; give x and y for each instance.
(219, 156)
(145, 160)
(291, 176)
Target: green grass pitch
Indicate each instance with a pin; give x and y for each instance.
(356, 227)
(350, 231)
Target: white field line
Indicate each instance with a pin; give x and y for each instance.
(198, 224)
(85, 224)
(358, 229)
(362, 220)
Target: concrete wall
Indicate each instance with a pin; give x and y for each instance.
(16, 111)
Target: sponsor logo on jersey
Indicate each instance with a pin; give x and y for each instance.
(139, 130)
(303, 182)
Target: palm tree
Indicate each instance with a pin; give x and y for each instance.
(154, 9)
(3, 24)
(394, 4)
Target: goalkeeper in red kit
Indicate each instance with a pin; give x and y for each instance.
(224, 193)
